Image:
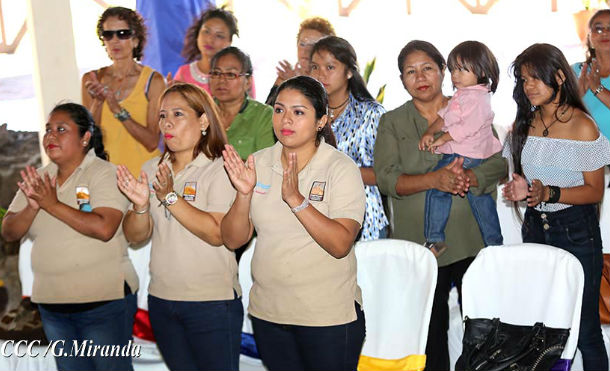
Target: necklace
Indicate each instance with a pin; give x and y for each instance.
(331, 111)
(121, 88)
(545, 132)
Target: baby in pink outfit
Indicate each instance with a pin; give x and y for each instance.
(466, 131)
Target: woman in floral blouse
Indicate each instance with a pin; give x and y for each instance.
(354, 117)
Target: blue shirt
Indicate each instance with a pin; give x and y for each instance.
(599, 111)
(356, 131)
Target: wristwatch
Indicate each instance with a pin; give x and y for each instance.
(170, 199)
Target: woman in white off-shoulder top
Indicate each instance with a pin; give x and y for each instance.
(559, 157)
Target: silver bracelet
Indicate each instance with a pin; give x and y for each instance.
(303, 205)
(145, 211)
(598, 90)
(123, 115)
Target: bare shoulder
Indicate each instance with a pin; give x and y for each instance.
(583, 127)
(157, 83)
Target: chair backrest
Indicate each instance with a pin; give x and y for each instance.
(398, 279)
(245, 281)
(526, 283)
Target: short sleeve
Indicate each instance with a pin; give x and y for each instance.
(368, 133)
(506, 148)
(347, 198)
(220, 192)
(180, 73)
(104, 190)
(265, 137)
(19, 202)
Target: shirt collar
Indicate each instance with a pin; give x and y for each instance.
(87, 160)
(318, 159)
(200, 161)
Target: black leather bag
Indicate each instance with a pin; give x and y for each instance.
(491, 345)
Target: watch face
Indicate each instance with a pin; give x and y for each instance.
(171, 198)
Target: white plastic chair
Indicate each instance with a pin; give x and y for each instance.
(398, 279)
(245, 281)
(526, 283)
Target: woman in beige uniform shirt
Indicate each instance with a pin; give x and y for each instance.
(72, 209)
(194, 297)
(306, 200)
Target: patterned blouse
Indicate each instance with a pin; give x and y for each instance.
(560, 162)
(356, 131)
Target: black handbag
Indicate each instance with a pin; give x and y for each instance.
(491, 345)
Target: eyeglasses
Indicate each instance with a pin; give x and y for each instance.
(599, 29)
(307, 43)
(121, 34)
(227, 75)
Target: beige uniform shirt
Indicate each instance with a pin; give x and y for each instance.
(183, 266)
(295, 280)
(68, 266)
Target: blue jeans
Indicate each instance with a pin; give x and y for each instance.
(438, 207)
(197, 335)
(576, 230)
(109, 324)
(300, 348)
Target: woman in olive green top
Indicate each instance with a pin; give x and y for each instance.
(247, 122)
(404, 174)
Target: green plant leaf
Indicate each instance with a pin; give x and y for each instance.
(381, 94)
(368, 70)
(2, 213)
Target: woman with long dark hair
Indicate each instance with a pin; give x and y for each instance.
(83, 279)
(306, 201)
(211, 32)
(559, 156)
(354, 117)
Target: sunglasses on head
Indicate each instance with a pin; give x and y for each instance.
(121, 34)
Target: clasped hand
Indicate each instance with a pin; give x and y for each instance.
(453, 179)
(101, 92)
(589, 78)
(518, 190)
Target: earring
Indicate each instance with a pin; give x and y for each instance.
(319, 128)
(84, 143)
(533, 108)
(203, 132)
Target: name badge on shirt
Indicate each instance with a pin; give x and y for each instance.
(83, 198)
(190, 191)
(317, 191)
(262, 188)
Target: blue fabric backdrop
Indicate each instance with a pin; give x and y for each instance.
(167, 22)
